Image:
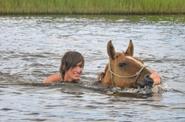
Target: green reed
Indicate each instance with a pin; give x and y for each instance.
(92, 6)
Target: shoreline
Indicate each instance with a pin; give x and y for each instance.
(92, 14)
(92, 7)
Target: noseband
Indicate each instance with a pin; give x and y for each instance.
(124, 76)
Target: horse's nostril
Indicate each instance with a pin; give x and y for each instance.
(148, 81)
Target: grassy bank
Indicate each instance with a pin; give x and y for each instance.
(92, 7)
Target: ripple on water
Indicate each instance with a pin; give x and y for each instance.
(31, 48)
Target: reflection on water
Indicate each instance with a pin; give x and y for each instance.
(31, 48)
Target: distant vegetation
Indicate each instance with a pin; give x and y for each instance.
(92, 7)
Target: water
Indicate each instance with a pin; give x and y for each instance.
(31, 49)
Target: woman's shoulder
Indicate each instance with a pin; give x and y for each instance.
(56, 77)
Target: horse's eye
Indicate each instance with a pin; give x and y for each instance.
(122, 64)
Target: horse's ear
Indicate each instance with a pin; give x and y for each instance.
(130, 49)
(110, 50)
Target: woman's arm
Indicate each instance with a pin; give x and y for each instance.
(156, 77)
(52, 78)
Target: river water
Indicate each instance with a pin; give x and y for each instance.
(31, 49)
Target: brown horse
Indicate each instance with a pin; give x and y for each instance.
(123, 70)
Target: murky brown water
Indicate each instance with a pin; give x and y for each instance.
(31, 48)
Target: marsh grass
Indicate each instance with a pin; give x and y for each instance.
(92, 6)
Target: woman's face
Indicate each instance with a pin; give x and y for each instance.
(74, 74)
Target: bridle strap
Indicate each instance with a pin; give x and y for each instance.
(124, 76)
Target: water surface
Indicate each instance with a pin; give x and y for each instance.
(31, 49)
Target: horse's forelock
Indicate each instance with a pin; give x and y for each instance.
(118, 54)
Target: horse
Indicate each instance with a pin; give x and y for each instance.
(124, 70)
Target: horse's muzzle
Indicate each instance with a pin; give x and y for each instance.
(147, 81)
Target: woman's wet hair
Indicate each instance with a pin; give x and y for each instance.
(70, 60)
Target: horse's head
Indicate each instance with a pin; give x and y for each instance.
(123, 70)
